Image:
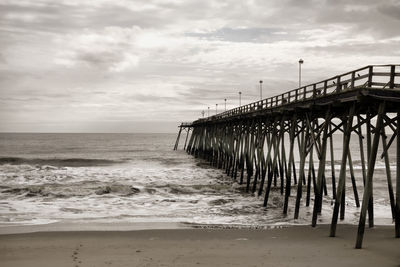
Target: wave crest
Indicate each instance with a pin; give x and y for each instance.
(58, 162)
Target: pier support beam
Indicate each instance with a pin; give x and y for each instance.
(370, 173)
(321, 169)
(388, 173)
(303, 155)
(342, 175)
(291, 161)
(177, 139)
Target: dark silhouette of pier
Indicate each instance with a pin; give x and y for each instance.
(255, 143)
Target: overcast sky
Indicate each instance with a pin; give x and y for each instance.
(146, 65)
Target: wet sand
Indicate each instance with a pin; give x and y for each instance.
(292, 246)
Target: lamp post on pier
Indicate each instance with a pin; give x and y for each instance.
(240, 99)
(225, 103)
(216, 109)
(261, 89)
(208, 112)
(300, 63)
(202, 113)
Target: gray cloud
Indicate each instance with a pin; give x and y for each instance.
(372, 49)
(255, 35)
(89, 62)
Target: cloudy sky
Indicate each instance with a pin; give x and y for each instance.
(146, 65)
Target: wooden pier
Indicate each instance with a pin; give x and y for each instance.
(283, 142)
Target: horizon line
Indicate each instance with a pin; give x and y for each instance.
(1, 132)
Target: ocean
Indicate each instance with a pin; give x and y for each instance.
(138, 178)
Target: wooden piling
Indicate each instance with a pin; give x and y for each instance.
(291, 161)
(321, 169)
(303, 156)
(268, 160)
(368, 183)
(187, 135)
(388, 173)
(342, 174)
(369, 147)
(177, 139)
(273, 167)
(361, 144)
(353, 180)
(310, 168)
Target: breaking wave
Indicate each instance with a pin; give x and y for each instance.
(68, 162)
(72, 190)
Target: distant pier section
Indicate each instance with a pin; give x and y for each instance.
(286, 142)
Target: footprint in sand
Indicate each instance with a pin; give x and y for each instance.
(75, 255)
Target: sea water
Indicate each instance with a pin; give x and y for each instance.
(138, 178)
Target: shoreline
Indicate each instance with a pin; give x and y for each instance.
(286, 246)
(88, 226)
(133, 226)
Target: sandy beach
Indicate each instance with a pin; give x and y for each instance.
(291, 246)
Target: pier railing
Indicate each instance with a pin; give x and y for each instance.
(186, 124)
(372, 76)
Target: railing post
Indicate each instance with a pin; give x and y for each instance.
(288, 97)
(305, 92)
(314, 90)
(370, 74)
(297, 94)
(353, 77)
(338, 85)
(392, 73)
(325, 86)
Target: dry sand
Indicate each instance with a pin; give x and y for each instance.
(293, 246)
